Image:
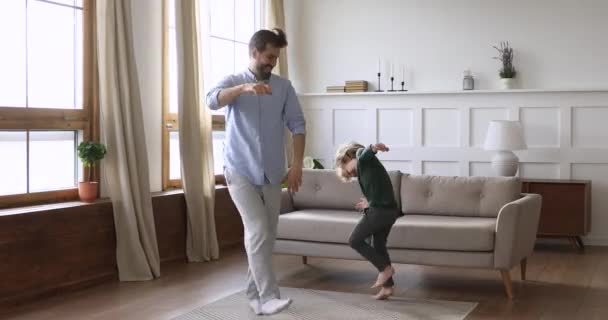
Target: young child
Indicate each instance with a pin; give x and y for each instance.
(379, 207)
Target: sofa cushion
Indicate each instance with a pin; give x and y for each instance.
(446, 233)
(457, 196)
(322, 189)
(334, 226)
(409, 232)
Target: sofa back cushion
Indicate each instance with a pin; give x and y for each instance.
(323, 189)
(457, 196)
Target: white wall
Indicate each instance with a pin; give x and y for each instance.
(147, 35)
(558, 43)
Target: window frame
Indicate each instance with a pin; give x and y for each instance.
(49, 119)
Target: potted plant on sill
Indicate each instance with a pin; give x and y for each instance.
(507, 72)
(89, 153)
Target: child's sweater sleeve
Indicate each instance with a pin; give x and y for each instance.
(365, 154)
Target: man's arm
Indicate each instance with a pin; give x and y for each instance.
(225, 92)
(294, 120)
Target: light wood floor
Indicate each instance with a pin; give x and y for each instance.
(561, 285)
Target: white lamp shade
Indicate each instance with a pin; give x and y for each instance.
(504, 135)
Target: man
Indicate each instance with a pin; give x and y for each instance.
(259, 106)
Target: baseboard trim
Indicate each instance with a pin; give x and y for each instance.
(596, 241)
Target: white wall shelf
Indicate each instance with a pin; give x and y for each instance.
(445, 92)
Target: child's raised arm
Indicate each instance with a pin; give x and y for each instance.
(379, 147)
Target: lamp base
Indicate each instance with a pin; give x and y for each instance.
(505, 163)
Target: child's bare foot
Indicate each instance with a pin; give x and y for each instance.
(384, 293)
(384, 276)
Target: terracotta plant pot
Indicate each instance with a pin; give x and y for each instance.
(87, 191)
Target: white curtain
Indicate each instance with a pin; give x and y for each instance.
(195, 135)
(126, 165)
(273, 16)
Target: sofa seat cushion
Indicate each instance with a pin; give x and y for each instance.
(448, 233)
(333, 226)
(424, 232)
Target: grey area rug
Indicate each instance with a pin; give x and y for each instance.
(328, 305)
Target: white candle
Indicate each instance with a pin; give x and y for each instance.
(403, 72)
(392, 69)
(379, 65)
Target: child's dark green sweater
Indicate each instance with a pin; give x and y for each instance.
(374, 180)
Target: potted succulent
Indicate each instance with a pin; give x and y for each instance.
(89, 153)
(507, 72)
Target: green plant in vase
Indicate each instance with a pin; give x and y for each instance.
(507, 72)
(89, 154)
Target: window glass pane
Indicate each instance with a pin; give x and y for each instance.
(52, 160)
(13, 162)
(77, 3)
(171, 13)
(80, 168)
(12, 54)
(79, 64)
(175, 166)
(222, 57)
(51, 55)
(245, 20)
(241, 57)
(173, 73)
(218, 151)
(222, 18)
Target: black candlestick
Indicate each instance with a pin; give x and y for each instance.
(378, 83)
(392, 90)
(402, 86)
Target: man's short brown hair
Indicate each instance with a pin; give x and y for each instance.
(275, 37)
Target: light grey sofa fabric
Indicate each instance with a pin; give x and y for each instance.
(457, 196)
(322, 189)
(449, 221)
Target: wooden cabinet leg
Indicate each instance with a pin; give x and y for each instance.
(522, 265)
(506, 279)
(577, 242)
(304, 260)
(580, 243)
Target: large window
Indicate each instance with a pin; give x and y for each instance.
(231, 25)
(44, 107)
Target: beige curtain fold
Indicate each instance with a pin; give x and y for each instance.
(273, 16)
(126, 165)
(195, 135)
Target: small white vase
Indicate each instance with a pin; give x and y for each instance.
(507, 83)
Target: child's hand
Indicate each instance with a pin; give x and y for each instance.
(379, 147)
(361, 205)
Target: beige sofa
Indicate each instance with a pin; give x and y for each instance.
(474, 222)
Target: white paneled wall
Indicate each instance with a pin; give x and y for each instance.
(442, 133)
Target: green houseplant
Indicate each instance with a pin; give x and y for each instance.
(507, 72)
(90, 153)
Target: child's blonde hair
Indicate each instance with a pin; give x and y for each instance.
(344, 153)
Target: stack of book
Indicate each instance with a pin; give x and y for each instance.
(355, 86)
(334, 89)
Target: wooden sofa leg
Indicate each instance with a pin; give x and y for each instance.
(506, 279)
(523, 269)
(304, 260)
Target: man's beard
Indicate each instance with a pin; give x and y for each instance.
(261, 71)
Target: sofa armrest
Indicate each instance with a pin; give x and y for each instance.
(516, 228)
(286, 202)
